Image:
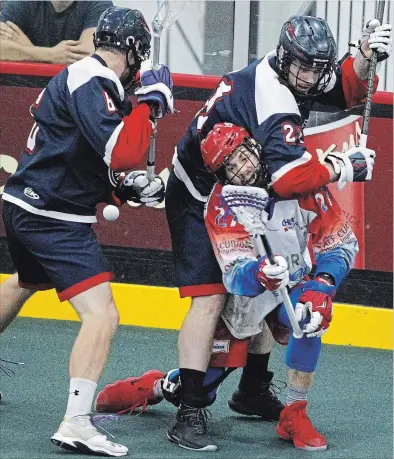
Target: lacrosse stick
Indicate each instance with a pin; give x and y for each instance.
(248, 204)
(371, 79)
(166, 14)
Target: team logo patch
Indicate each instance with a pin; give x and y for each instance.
(115, 177)
(221, 346)
(30, 193)
(289, 223)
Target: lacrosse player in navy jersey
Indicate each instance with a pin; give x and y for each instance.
(234, 158)
(84, 129)
(271, 98)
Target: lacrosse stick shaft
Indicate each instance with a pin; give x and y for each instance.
(371, 79)
(150, 165)
(158, 25)
(263, 247)
(268, 249)
(156, 50)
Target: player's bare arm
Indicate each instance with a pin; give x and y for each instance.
(375, 37)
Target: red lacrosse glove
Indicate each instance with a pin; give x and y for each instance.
(315, 303)
(275, 276)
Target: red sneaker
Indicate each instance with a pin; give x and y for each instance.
(126, 396)
(295, 425)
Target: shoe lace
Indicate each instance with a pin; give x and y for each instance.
(97, 418)
(197, 418)
(275, 388)
(8, 371)
(143, 404)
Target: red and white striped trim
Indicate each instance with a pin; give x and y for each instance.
(111, 144)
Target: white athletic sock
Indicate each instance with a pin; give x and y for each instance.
(80, 398)
(295, 394)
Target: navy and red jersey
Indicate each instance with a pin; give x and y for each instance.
(84, 129)
(258, 100)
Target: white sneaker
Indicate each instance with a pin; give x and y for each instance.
(79, 434)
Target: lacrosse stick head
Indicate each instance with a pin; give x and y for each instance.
(232, 155)
(166, 14)
(248, 204)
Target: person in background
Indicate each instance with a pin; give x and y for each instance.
(56, 32)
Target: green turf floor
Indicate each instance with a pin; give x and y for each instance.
(351, 401)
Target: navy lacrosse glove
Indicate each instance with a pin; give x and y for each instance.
(156, 88)
(136, 187)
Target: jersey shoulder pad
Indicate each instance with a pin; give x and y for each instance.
(271, 95)
(90, 69)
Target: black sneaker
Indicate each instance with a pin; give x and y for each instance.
(262, 402)
(190, 429)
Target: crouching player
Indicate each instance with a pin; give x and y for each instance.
(234, 158)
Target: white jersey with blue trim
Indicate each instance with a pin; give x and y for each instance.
(294, 223)
(64, 170)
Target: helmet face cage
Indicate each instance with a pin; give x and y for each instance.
(287, 74)
(249, 155)
(308, 43)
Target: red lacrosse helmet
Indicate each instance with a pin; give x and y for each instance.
(221, 141)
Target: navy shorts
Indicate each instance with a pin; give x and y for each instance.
(197, 273)
(50, 253)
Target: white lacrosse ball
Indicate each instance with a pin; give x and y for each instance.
(111, 213)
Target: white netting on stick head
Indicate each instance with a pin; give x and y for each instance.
(248, 204)
(167, 14)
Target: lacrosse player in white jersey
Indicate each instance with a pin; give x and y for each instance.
(234, 158)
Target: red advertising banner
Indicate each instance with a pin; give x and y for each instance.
(368, 208)
(339, 136)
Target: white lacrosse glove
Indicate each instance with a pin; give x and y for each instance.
(376, 37)
(170, 387)
(275, 276)
(136, 187)
(354, 165)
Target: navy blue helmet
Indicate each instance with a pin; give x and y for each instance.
(307, 41)
(126, 30)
